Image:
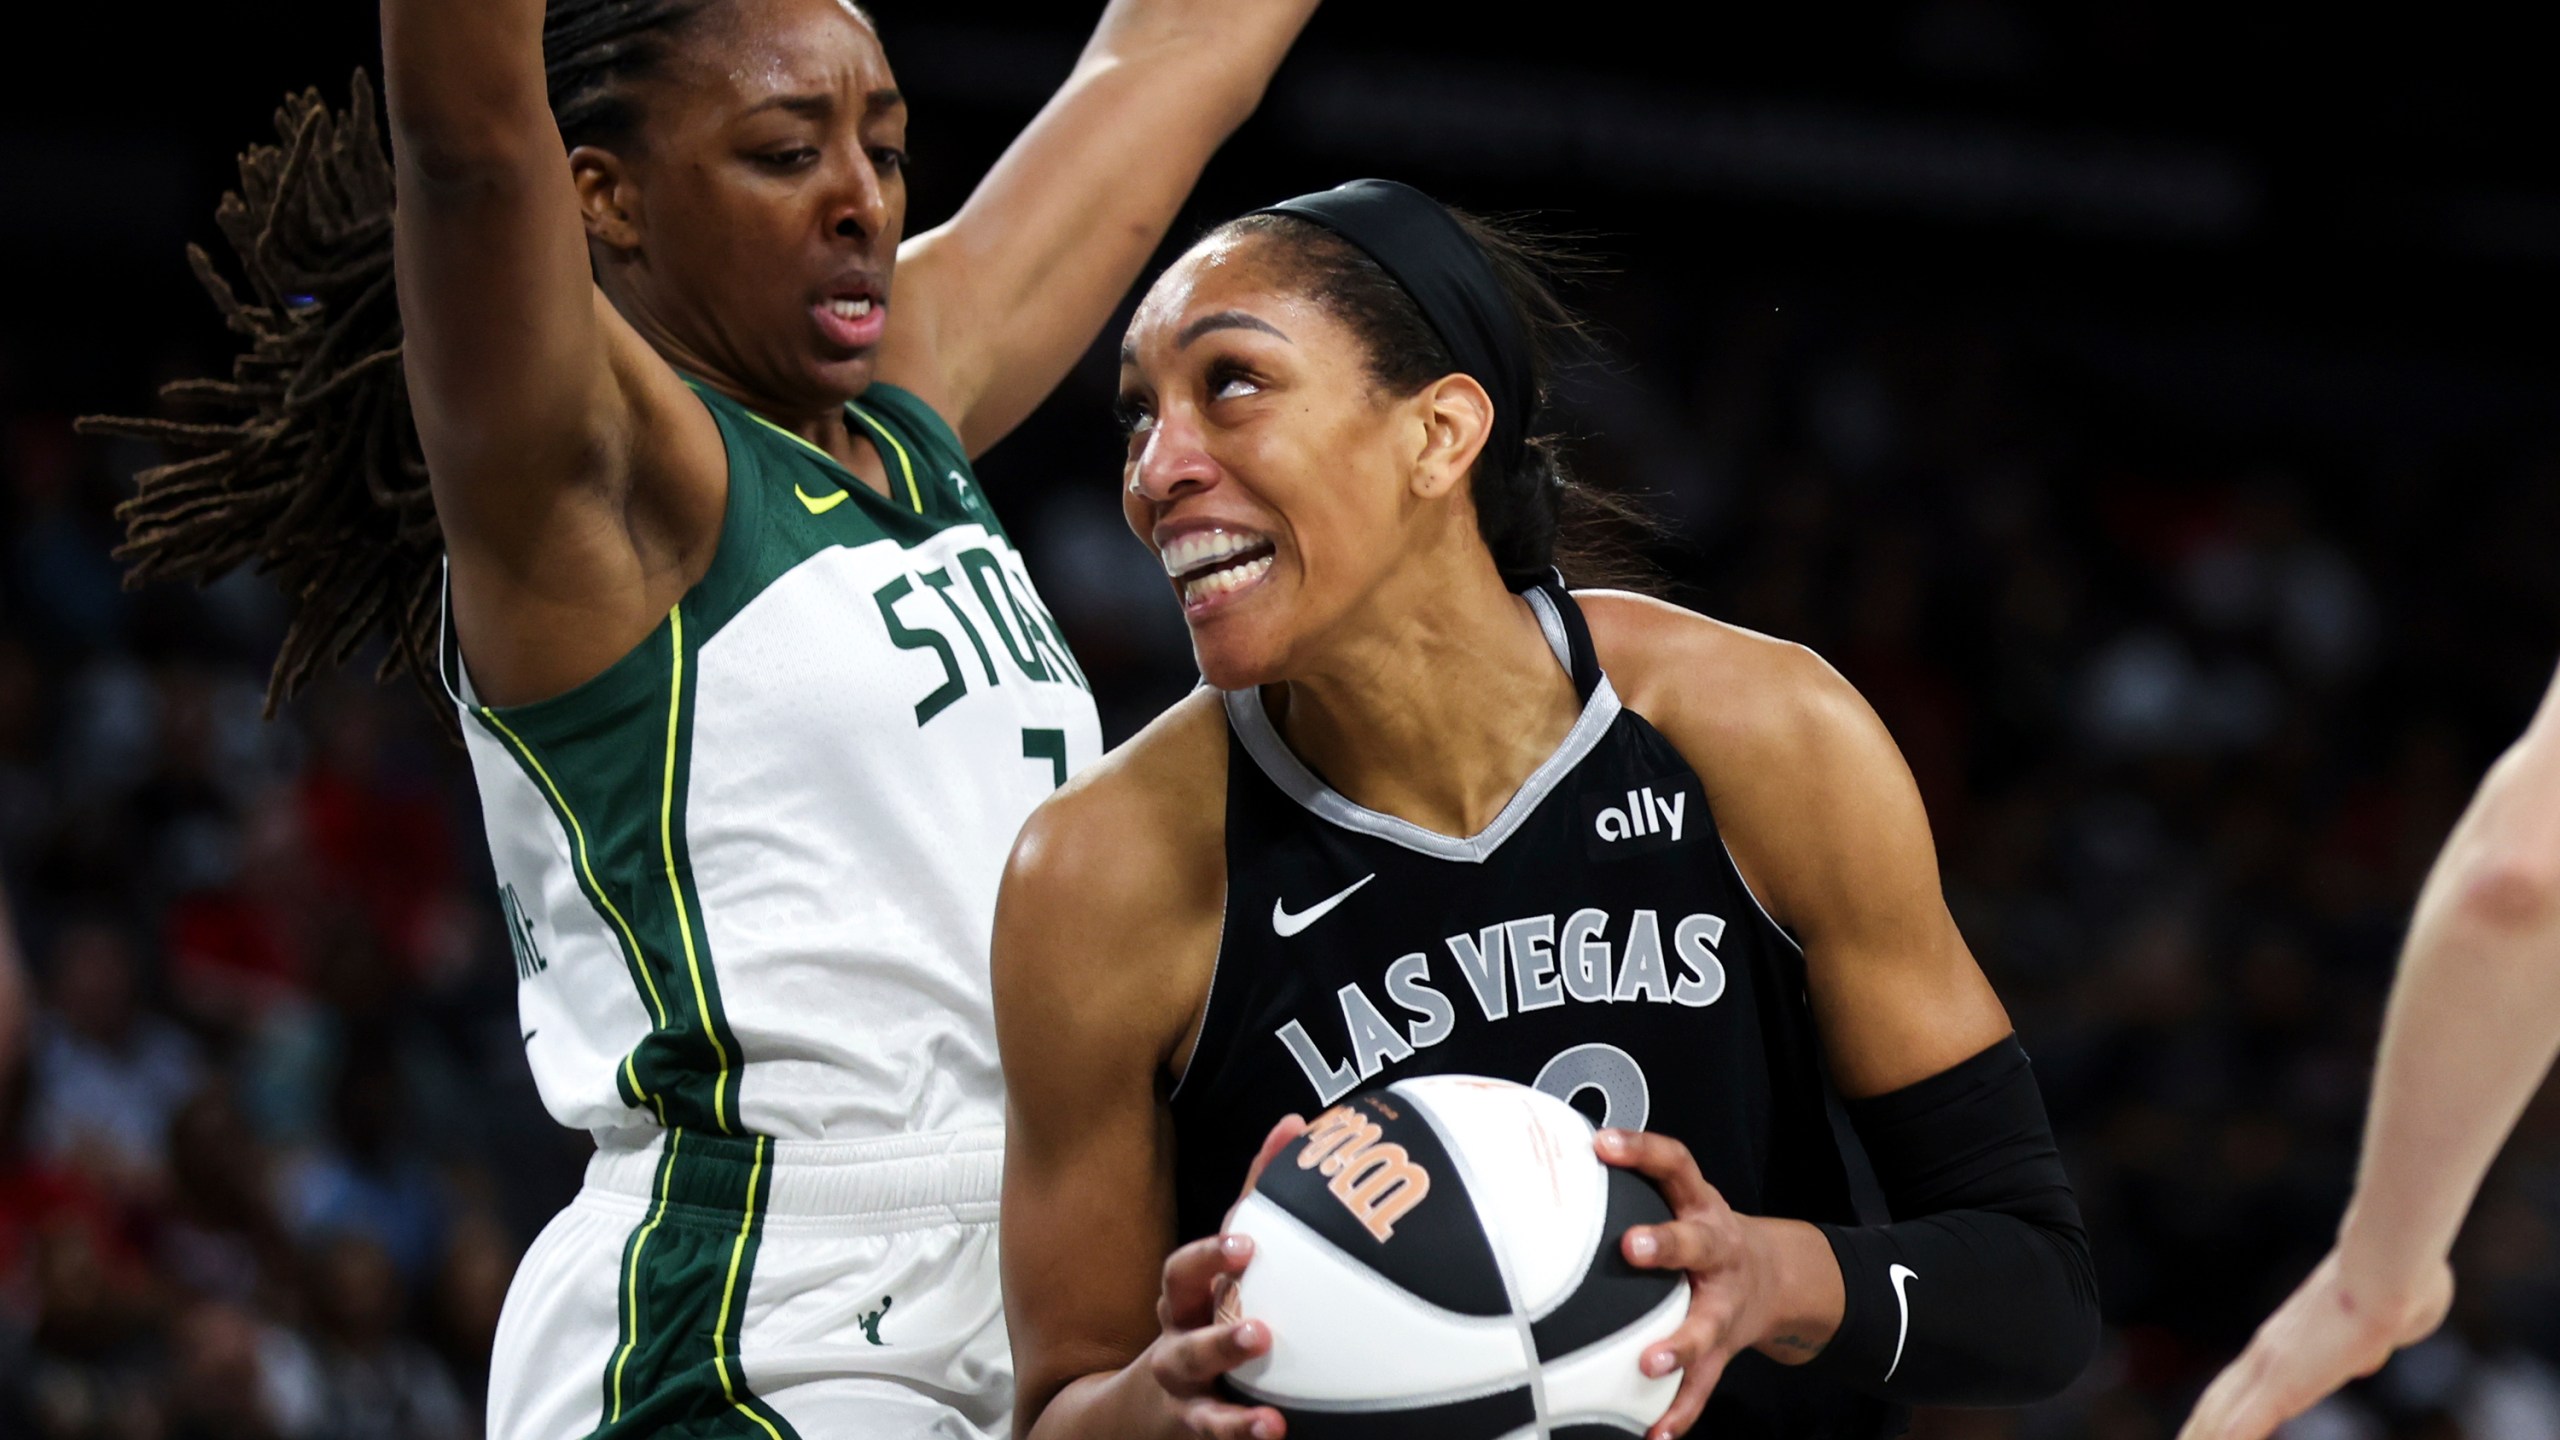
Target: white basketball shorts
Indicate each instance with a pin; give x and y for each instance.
(712, 1286)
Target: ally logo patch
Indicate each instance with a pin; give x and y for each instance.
(1655, 815)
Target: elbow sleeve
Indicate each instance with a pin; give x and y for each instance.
(1981, 1290)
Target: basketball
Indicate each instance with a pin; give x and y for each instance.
(1439, 1259)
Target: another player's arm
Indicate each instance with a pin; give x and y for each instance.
(529, 391)
(2472, 1028)
(1826, 824)
(1112, 892)
(994, 305)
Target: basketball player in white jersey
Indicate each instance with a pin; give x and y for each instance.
(754, 684)
(2473, 1024)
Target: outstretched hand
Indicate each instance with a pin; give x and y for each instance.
(2323, 1336)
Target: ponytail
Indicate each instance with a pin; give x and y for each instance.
(307, 466)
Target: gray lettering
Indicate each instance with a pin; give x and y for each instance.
(1641, 973)
(1374, 1042)
(1585, 955)
(1704, 984)
(1480, 960)
(1533, 962)
(1405, 986)
(1331, 1081)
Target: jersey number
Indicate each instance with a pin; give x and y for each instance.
(1050, 745)
(1625, 1099)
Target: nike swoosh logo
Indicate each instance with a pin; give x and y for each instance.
(529, 1034)
(1900, 1275)
(821, 504)
(1286, 924)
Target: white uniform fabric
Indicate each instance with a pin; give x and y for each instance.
(749, 874)
(871, 1308)
(843, 860)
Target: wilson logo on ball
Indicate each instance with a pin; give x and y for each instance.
(1375, 1179)
(1504, 1307)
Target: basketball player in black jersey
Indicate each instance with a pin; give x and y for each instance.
(1434, 813)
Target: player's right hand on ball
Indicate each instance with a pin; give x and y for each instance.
(2322, 1337)
(1196, 1343)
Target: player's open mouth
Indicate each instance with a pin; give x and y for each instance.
(1209, 566)
(851, 319)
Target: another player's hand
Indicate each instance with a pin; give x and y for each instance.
(1195, 1343)
(2323, 1336)
(1735, 1279)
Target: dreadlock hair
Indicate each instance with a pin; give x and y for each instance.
(1532, 512)
(310, 468)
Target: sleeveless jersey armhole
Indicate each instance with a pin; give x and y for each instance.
(1209, 1012)
(632, 677)
(1205, 1029)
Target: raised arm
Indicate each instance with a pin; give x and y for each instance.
(993, 306)
(505, 351)
(2472, 1028)
(534, 399)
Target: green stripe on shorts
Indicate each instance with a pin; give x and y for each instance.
(685, 1276)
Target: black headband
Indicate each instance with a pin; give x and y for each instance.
(1424, 249)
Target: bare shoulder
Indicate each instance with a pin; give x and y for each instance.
(1156, 795)
(1117, 882)
(1733, 700)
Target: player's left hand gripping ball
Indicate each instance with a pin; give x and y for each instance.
(1742, 1288)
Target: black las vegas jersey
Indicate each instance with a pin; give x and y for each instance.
(1594, 941)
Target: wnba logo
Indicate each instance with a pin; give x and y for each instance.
(1377, 1182)
(1645, 814)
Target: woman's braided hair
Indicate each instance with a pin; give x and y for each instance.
(309, 467)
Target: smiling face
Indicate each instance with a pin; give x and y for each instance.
(750, 227)
(1283, 489)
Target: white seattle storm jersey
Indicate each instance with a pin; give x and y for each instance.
(750, 870)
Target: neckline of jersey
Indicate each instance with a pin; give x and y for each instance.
(1283, 768)
(854, 408)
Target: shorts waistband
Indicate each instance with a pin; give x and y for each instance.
(954, 1174)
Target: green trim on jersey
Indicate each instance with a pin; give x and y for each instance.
(684, 1068)
(683, 1305)
(613, 758)
(788, 500)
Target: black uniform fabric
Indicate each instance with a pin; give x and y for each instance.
(1986, 1293)
(1596, 933)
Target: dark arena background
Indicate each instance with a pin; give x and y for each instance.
(2150, 406)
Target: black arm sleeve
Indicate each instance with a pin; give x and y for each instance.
(1981, 1291)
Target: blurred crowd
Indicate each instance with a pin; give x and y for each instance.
(2192, 702)
(268, 1149)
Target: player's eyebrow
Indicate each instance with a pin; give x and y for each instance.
(1220, 320)
(818, 104)
(1225, 320)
